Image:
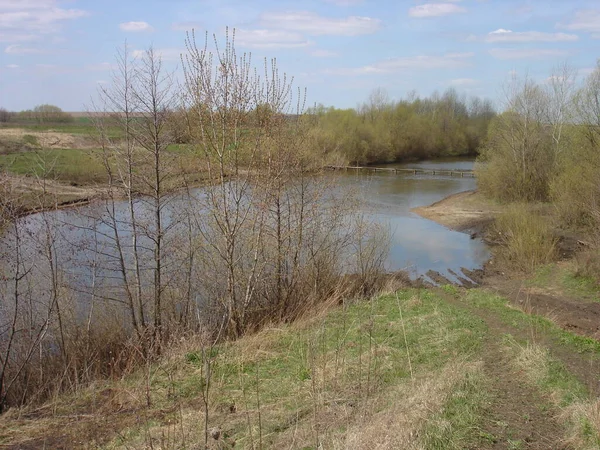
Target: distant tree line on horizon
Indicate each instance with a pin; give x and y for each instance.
(41, 114)
(377, 131)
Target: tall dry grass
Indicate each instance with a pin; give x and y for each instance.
(527, 238)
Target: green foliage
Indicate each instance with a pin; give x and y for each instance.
(576, 188)
(44, 114)
(384, 131)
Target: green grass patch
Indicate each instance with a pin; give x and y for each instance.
(31, 140)
(457, 425)
(564, 278)
(67, 165)
(316, 381)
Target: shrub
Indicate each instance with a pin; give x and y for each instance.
(527, 238)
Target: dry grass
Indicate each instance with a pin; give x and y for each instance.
(527, 238)
(578, 410)
(394, 424)
(340, 380)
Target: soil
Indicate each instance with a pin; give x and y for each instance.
(60, 195)
(466, 211)
(46, 139)
(519, 416)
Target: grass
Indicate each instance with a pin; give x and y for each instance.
(452, 428)
(349, 378)
(527, 238)
(581, 413)
(401, 371)
(69, 165)
(531, 322)
(564, 278)
(81, 126)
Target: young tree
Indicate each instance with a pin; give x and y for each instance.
(518, 155)
(139, 103)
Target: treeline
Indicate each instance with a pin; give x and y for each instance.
(41, 114)
(381, 130)
(545, 147)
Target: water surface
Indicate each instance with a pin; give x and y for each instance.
(418, 244)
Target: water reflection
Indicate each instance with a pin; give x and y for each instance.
(418, 244)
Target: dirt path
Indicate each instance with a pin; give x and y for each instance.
(572, 314)
(519, 415)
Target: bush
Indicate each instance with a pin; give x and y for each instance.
(516, 163)
(527, 238)
(44, 114)
(5, 115)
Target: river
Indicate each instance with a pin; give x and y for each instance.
(417, 244)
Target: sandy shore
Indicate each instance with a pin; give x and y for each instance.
(466, 211)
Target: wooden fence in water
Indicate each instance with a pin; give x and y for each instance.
(448, 172)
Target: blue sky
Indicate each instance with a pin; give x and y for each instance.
(57, 51)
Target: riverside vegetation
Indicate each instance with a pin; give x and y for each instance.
(228, 318)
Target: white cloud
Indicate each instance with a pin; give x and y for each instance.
(534, 53)
(313, 24)
(464, 82)
(587, 21)
(135, 27)
(17, 49)
(26, 20)
(12, 66)
(435, 10)
(17, 37)
(502, 35)
(422, 62)
(270, 39)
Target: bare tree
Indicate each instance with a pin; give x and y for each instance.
(561, 90)
(137, 163)
(223, 90)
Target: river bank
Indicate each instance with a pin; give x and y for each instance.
(555, 291)
(465, 211)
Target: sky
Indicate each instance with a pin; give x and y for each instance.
(60, 51)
